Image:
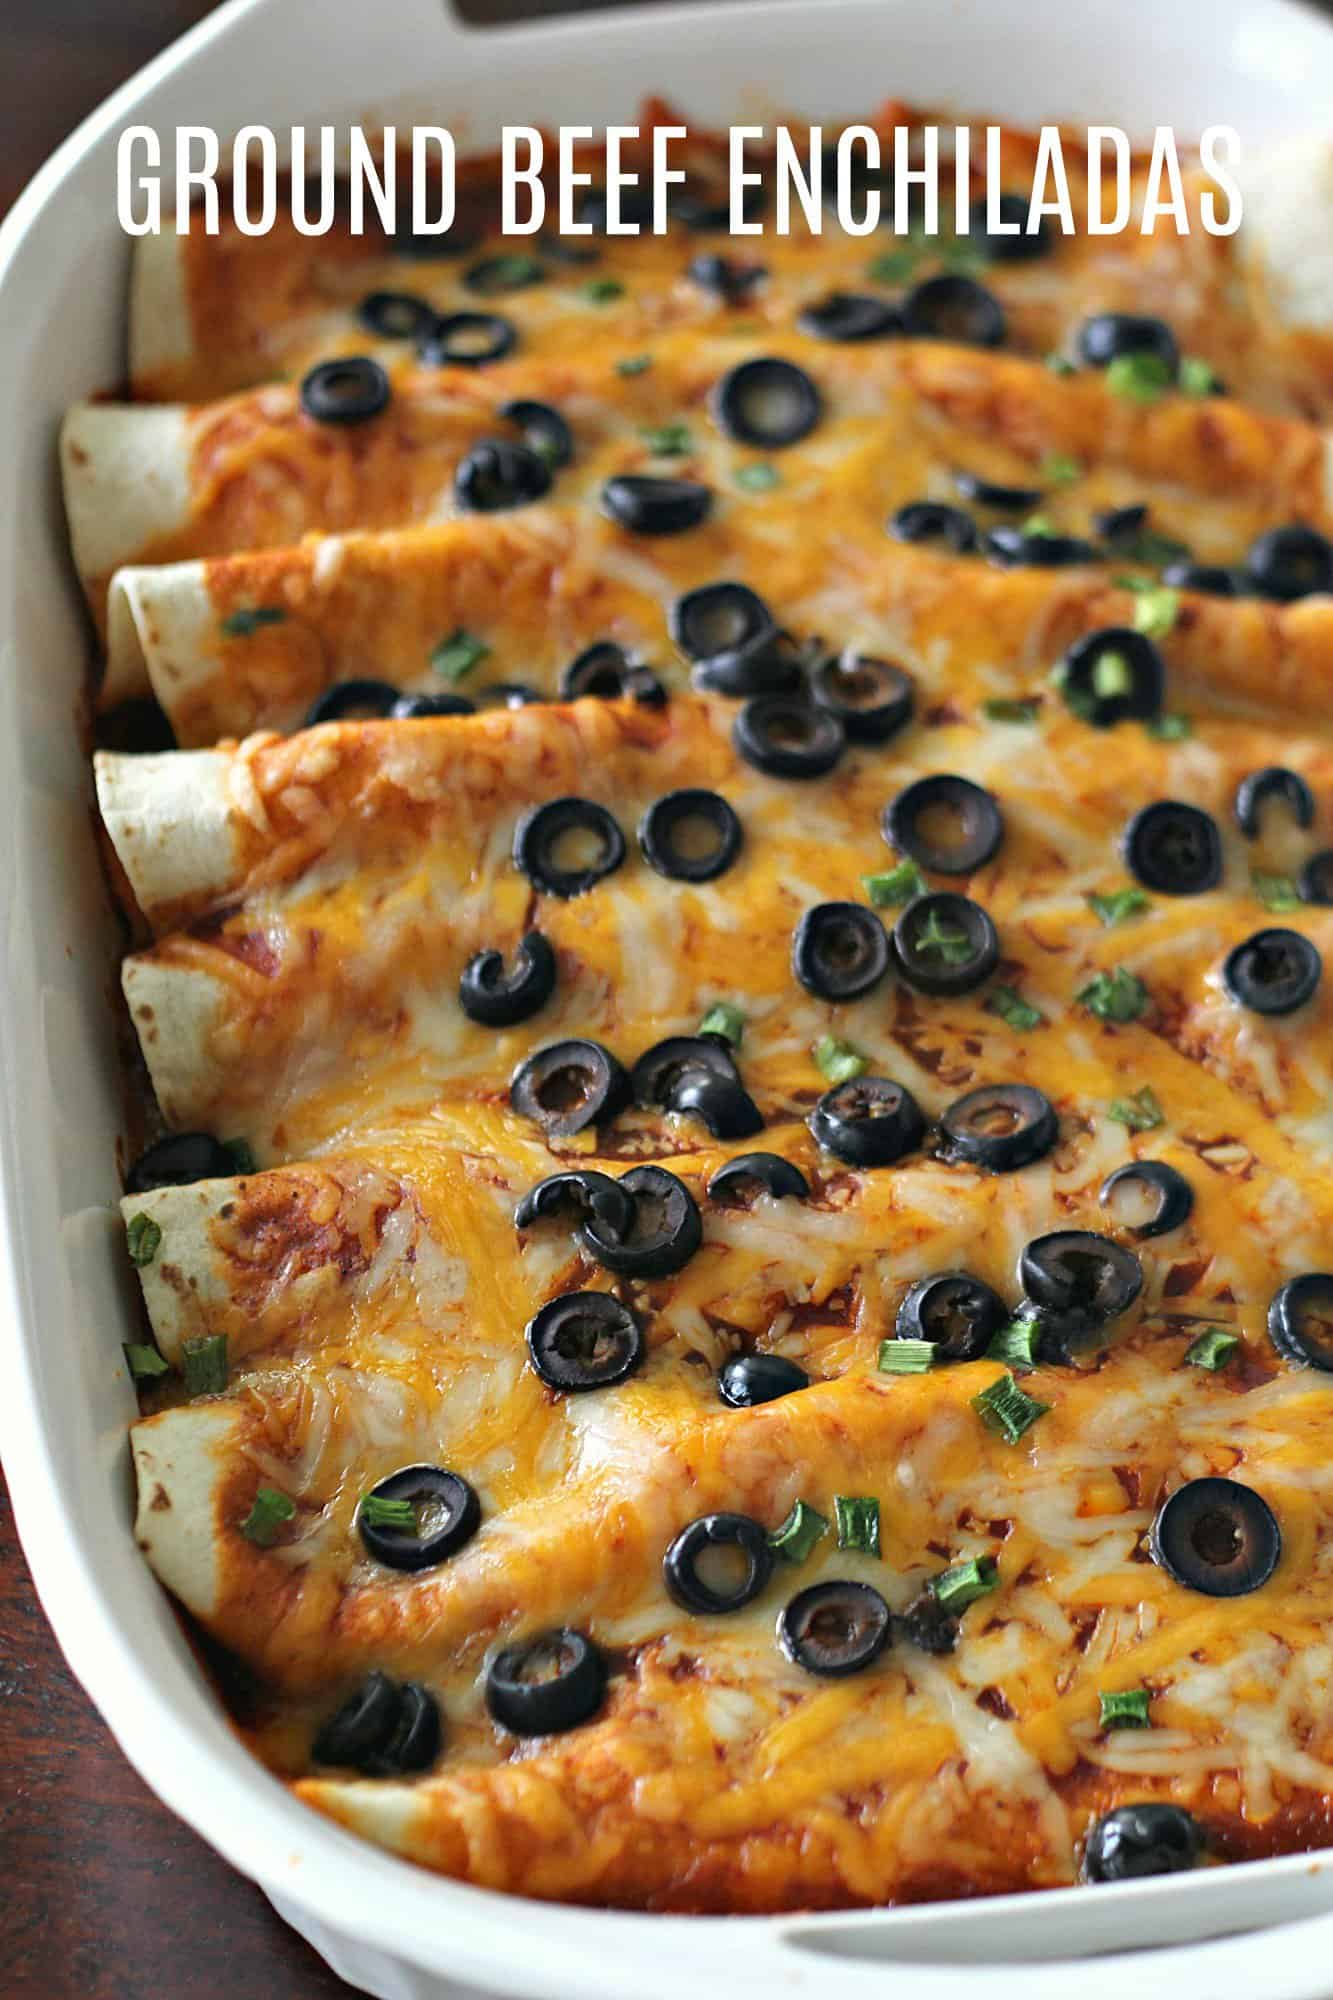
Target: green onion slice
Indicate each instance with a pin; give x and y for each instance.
(144, 1363)
(381, 1512)
(895, 885)
(240, 624)
(1114, 996)
(1141, 1111)
(1006, 1408)
(143, 1239)
(268, 1513)
(725, 1020)
(1119, 906)
(858, 1523)
(906, 1357)
(798, 1534)
(204, 1364)
(1012, 1008)
(458, 654)
(1213, 1349)
(962, 1585)
(838, 1060)
(1016, 1343)
(1127, 1709)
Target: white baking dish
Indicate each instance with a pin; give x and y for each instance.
(1263, 65)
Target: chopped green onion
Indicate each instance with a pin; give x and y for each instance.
(667, 440)
(378, 1511)
(204, 1364)
(240, 624)
(725, 1020)
(1196, 377)
(1012, 1009)
(1058, 468)
(634, 364)
(962, 1585)
(458, 654)
(1119, 906)
(896, 885)
(143, 1238)
(508, 272)
(1114, 996)
(600, 291)
(144, 1363)
(798, 1534)
(1016, 1343)
(1141, 1112)
(858, 1523)
(1039, 524)
(242, 1155)
(1011, 711)
(1169, 728)
(961, 256)
(906, 1357)
(1006, 1408)
(1060, 364)
(953, 945)
(839, 1061)
(1156, 611)
(760, 478)
(1151, 548)
(1276, 892)
(1128, 1710)
(1213, 1349)
(1143, 378)
(894, 265)
(1112, 675)
(266, 1516)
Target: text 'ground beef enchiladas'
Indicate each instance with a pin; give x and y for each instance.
(729, 948)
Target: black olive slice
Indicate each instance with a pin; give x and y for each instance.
(683, 1571)
(447, 1515)
(419, 707)
(415, 1739)
(1140, 1840)
(840, 951)
(1020, 548)
(348, 391)
(850, 316)
(1006, 248)
(635, 206)
(467, 340)
(422, 246)
(511, 271)
(718, 619)
(770, 663)
(869, 1121)
(727, 1109)
(690, 835)
(1122, 526)
(568, 823)
(1005, 499)
(1274, 972)
(1112, 675)
(497, 998)
(396, 315)
(1290, 562)
(1300, 1320)
(547, 1684)
(585, 1340)
(933, 521)
(543, 429)
(835, 1628)
(786, 737)
(1000, 1126)
(956, 1312)
(1208, 578)
(1084, 1278)
(348, 700)
(497, 475)
(751, 1379)
(1274, 782)
(661, 1070)
(952, 307)
(664, 1234)
(1316, 879)
(1218, 1537)
(580, 1193)
(568, 1086)
(1173, 848)
(1107, 336)
(384, 1729)
(510, 694)
(179, 1160)
(646, 505)
(945, 943)
(606, 672)
(735, 1184)
(767, 403)
(927, 1624)
(1169, 1194)
(871, 698)
(946, 824)
(725, 277)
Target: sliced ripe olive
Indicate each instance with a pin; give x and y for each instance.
(1106, 336)
(510, 694)
(871, 698)
(946, 824)
(661, 1070)
(933, 521)
(467, 340)
(568, 1086)
(1085, 1278)
(1136, 1841)
(951, 307)
(415, 1740)
(584, 1340)
(840, 951)
(1173, 848)
(719, 618)
(606, 671)
(1316, 879)
(690, 835)
(1300, 1320)
(835, 1628)
(543, 429)
(347, 700)
(1121, 525)
(1000, 1126)
(1274, 972)
(635, 206)
(416, 707)
(1168, 1195)
(1290, 562)
(509, 272)
(547, 1684)
(1113, 674)
(725, 277)
(1007, 499)
(1016, 548)
(447, 1511)
(178, 1161)
(684, 1567)
(581, 1193)
(497, 475)
(498, 999)
(771, 662)
(423, 246)
(786, 737)
(385, 1729)
(727, 1109)
(348, 391)
(751, 1379)
(955, 1311)
(646, 505)
(586, 833)
(1007, 249)
(1208, 578)
(396, 315)
(850, 316)
(1274, 782)
(663, 1235)
(869, 1121)
(944, 943)
(766, 402)
(736, 1184)
(927, 1624)
(1218, 1537)
(559, 249)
